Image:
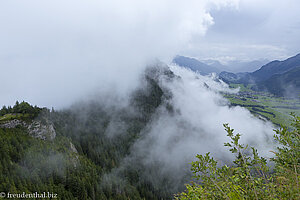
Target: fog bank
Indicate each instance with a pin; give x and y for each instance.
(55, 52)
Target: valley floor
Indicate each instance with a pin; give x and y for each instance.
(265, 105)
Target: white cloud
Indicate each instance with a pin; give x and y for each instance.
(271, 25)
(53, 52)
(173, 139)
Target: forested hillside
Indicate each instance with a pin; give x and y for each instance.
(84, 159)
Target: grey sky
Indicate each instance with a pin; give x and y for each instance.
(257, 29)
(55, 52)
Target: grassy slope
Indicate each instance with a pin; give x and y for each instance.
(13, 116)
(19, 116)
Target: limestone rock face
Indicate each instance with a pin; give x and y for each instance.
(73, 148)
(37, 129)
(75, 158)
(12, 124)
(42, 131)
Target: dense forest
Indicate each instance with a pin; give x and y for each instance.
(88, 158)
(79, 163)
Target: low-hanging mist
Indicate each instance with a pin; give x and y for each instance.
(190, 122)
(142, 144)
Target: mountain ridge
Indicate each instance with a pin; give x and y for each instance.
(276, 67)
(276, 77)
(195, 65)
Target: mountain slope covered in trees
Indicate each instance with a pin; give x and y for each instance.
(86, 158)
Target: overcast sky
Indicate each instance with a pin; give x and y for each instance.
(257, 29)
(53, 52)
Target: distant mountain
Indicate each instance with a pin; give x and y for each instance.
(217, 64)
(276, 67)
(230, 77)
(246, 66)
(278, 77)
(237, 66)
(286, 84)
(195, 65)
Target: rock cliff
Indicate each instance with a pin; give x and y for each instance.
(37, 129)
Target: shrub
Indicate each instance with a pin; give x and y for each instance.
(249, 176)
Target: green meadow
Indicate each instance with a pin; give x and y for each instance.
(264, 105)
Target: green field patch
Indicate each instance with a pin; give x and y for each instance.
(277, 110)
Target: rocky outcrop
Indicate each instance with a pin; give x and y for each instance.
(37, 129)
(13, 124)
(42, 131)
(75, 158)
(73, 148)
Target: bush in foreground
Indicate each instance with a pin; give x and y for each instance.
(249, 176)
